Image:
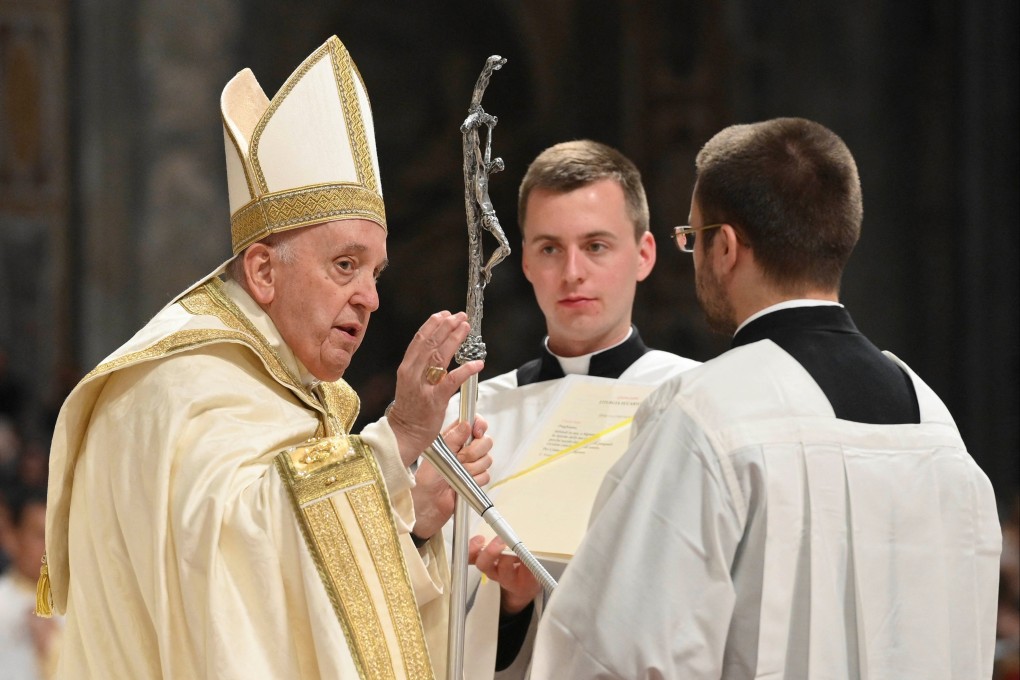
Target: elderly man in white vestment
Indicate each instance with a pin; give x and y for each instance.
(210, 513)
(803, 505)
(586, 245)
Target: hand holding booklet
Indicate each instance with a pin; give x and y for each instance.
(561, 461)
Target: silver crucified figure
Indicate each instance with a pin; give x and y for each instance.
(478, 165)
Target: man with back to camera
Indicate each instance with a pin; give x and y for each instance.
(803, 505)
(584, 221)
(210, 514)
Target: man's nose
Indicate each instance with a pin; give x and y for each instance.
(367, 295)
(573, 265)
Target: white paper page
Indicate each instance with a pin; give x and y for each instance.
(547, 498)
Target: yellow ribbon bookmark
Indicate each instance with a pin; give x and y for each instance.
(584, 442)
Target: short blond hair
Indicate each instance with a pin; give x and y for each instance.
(571, 165)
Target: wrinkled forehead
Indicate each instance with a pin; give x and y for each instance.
(364, 238)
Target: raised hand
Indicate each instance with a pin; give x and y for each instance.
(424, 387)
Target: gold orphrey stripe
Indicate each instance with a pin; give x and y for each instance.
(303, 207)
(340, 571)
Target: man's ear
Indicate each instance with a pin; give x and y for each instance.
(259, 274)
(727, 250)
(646, 255)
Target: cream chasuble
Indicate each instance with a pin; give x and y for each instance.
(211, 517)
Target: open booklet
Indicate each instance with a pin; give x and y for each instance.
(559, 465)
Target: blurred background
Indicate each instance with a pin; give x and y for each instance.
(113, 190)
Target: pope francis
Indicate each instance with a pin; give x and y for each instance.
(210, 514)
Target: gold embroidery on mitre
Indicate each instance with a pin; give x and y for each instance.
(321, 476)
(343, 66)
(303, 207)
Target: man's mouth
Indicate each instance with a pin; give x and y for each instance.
(353, 330)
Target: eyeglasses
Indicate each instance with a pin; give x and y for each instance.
(684, 235)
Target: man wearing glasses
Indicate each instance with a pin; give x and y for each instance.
(802, 506)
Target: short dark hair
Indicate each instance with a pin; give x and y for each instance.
(570, 165)
(790, 188)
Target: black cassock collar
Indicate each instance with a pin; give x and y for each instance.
(862, 384)
(610, 363)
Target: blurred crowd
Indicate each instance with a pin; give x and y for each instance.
(29, 644)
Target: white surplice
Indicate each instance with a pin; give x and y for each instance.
(748, 533)
(512, 412)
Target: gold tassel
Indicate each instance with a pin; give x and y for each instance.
(43, 596)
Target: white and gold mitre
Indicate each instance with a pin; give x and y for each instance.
(308, 156)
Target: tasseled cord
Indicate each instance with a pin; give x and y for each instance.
(43, 596)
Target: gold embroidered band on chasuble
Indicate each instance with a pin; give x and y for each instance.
(335, 485)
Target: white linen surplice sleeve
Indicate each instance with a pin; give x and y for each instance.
(649, 593)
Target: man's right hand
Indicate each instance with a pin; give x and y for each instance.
(419, 407)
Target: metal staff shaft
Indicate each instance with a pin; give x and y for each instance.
(445, 461)
(478, 165)
(459, 553)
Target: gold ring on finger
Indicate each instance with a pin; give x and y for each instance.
(434, 374)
